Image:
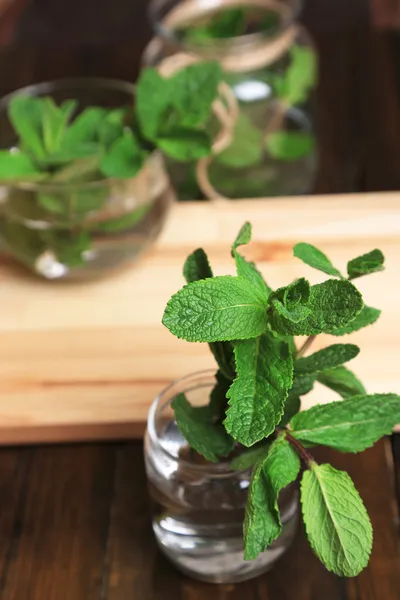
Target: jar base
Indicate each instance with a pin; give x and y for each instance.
(220, 560)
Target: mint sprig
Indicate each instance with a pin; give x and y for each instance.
(259, 403)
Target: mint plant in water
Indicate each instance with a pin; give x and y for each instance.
(87, 181)
(253, 418)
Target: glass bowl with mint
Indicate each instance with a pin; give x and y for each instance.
(79, 198)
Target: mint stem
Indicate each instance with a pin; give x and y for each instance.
(302, 452)
(305, 346)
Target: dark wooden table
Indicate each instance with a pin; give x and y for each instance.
(75, 525)
(75, 520)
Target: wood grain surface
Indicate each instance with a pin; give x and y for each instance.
(75, 524)
(85, 361)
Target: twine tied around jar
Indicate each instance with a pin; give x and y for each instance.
(251, 52)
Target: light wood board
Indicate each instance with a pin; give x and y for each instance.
(85, 361)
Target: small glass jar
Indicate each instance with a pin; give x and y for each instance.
(198, 507)
(82, 230)
(273, 152)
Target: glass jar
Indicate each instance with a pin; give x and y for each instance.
(273, 150)
(198, 507)
(64, 230)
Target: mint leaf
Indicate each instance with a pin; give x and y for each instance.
(302, 384)
(316, 259)
(124, 159)
(289, 145)
(54, 122)
(243, 237)
(193, 90)
(152, 99)
(17, 166)
(112, 126)
(262, 524)
(300, 77)
(336, 521)
(251, 456)
(333, 304)
(350, 425)
(342, 381)
(292, 407)
(218, 396)
(246, 148)
(197, 267)
(215, 310)
(368, 316)
(366, 264)
(247, 269)
(257, 397)
(85, 127)
(185, 144)
(125, 221)
(25, 114)
(208, 439)
(327, 358)
(291, 302)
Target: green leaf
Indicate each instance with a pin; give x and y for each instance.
(247, 269)
(124, 159)
(193, 90)
(185, 144)
(289, 145)
(218, 397)
(246, 147)
(366, 264)
(17, 166)
(316, 259)
(291, 302)
(333, 304)
(208, 439)
(342, 381)
(327, 358)
(112, 126)
(25, 114)
(152, 99)
(215, 310)
(85, 127)
(302, 384)
(366, 317)
(257, 397)
(53, 204)
(243, 237)
(197, 266)
(300, 77)
(336, 521)
(248, 458)
(350, 425)
(125, 221)
(262, 524)
(69, 247)
(78, 153)
(292, 407)
(79, 170)
(54, 122)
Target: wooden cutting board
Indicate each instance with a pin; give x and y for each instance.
(84, 361)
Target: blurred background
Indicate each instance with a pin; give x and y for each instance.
(357, 108)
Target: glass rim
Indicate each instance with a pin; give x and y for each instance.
(222, 467)
(117, 85)
(218, 44)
